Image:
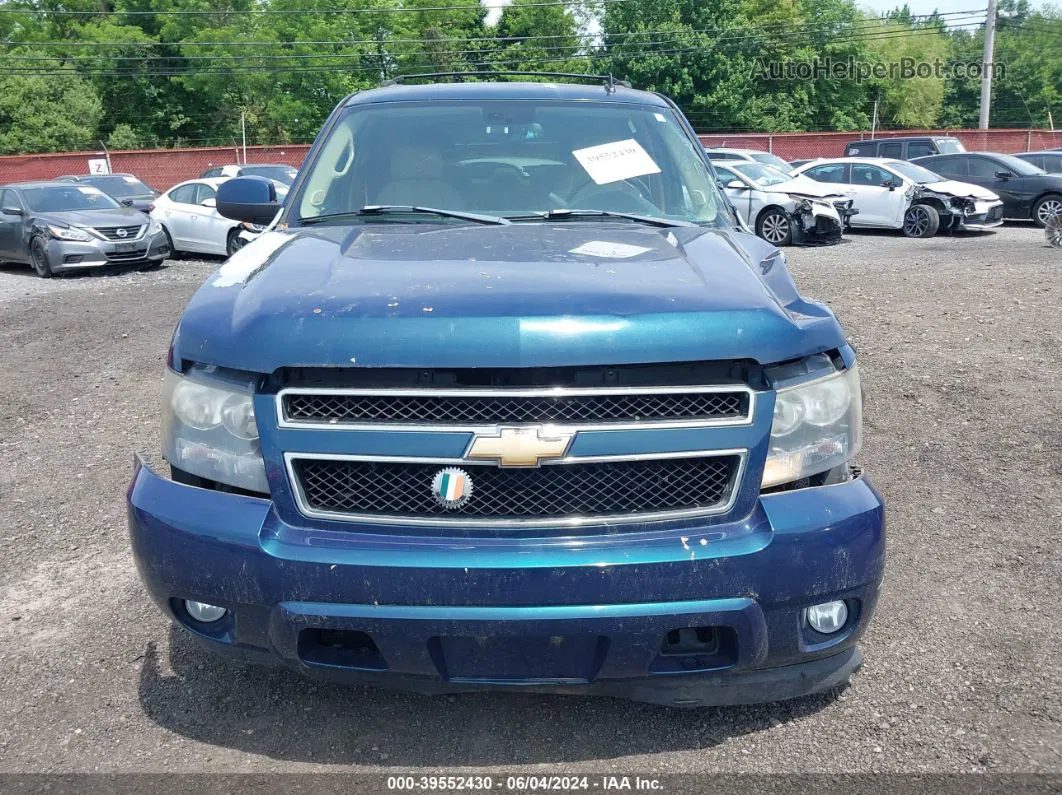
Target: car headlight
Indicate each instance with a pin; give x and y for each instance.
(69, 233)
(154, 227)
(209, 429)
(817, 426)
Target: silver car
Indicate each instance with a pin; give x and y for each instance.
(63, 226)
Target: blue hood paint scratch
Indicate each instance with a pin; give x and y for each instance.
(440, 295)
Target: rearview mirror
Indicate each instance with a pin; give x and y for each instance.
(889, 184)
(1003, 175)
(127, 202)
(250, 199)
(12, 211)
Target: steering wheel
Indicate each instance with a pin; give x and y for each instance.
(623, 196)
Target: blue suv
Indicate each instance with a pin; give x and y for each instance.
(504, 398)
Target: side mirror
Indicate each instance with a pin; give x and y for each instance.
(211, 202)
(736, 184)
(889, 184)
(250, 199)
(127, 202)
(11, 211)
(1004, 175)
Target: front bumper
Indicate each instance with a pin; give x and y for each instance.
(68, 255)
(588, 615)
(986, 215)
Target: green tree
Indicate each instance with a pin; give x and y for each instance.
(123, 137)
(909, 101)
(47, 113)
(532, 36)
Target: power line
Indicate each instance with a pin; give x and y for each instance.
(855, 33)
(472, 6)
(825, 26)
(373, 71)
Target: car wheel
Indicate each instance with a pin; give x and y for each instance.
(774, 226)
(234, 242)
(174, 253)
(1054, 231)
(921, 220)
(1047, 208)
(42, 264)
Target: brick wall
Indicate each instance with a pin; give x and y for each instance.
(163, 168)
(159, 168)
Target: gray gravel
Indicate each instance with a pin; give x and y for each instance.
(959, 342)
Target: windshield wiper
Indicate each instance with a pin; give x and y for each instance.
(404, 209)
(562, 215)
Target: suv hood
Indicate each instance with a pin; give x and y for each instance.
(123, 216)
(522, 295)
(804, 186)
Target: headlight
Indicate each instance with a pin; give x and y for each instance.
(154, 227)
(70, 233)
(209, 429)
(817, 426)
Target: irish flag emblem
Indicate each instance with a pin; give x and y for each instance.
(451, 487)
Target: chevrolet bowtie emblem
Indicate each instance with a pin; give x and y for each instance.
(520, 447)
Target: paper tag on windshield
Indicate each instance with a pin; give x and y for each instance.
(87, 190)
(130, 180)
(604, 249)
(612, 162)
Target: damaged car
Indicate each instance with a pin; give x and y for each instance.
(895, 194)
(783, 209)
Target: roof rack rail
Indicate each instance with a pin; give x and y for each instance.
(608, 81)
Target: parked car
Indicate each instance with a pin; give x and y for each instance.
(1049, 160)
(795, 164)
(126, 188)
(280, 172)
(505, 399)
(782, 209)
(904, 147)
(60, 226)
(1027, 192)
(189, 218)
(895, 194)
(747, 155)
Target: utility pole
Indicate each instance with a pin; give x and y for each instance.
(243, 130)
(874, 121)
(987, 64)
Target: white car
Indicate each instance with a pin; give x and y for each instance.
(746, 156)
(783, 209)
(189, 216)
(895, 194)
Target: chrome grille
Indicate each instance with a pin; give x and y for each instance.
(697, 405)
(402, 491)
(120, 233)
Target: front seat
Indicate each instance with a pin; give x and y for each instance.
(417, 178)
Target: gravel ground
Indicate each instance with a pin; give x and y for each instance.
(959, 342)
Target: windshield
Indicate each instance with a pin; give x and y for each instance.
(510, 158)
(284, 174)
(119, 187)
(60, 199)
(771, 160)
(917, 174)
(949, 146)
(761, 174)
(1019, 166)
